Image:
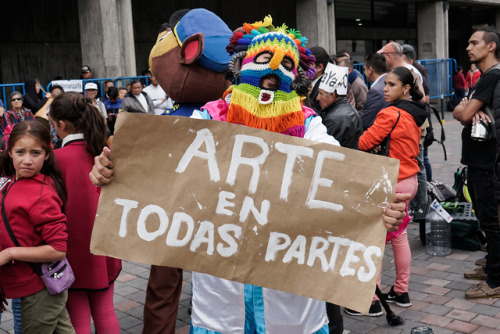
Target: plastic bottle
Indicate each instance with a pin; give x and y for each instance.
(437, 234)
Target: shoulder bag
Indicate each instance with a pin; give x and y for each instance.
(57, 276)
(384, 144)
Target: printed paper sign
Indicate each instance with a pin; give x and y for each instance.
(70, 85)
(247, 205)
(334, 79)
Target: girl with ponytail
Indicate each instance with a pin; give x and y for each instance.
(404, 116)
(83, 131)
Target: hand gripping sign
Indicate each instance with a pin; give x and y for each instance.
(247, 205)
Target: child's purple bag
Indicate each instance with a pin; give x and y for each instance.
(57, 276)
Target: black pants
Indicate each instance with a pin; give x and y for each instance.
(481, 190)
(336, 322)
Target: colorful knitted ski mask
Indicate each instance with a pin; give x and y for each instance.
(265, 97)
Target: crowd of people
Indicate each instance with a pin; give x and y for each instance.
(50, 195)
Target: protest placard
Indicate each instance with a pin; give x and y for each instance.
(69, 85)
(247, 205)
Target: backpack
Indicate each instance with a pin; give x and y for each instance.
(460, 185)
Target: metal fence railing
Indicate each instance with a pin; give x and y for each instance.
(439, 71)
(440, 74)
(7, 89)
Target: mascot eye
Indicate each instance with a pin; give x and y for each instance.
(162, 37)
(263, 58)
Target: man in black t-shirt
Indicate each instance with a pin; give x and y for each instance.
(479, 156)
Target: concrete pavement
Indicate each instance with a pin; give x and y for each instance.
(437, 284)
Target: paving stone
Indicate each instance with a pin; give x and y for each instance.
(418, 270)
(461, 315)
(412, 315)
(436, 309)
(485, 330)
(485, 309)
(435, 320)
(438, 300)
(461, 326)
(126, 305)
(486, 321)
(437, 290)
(459, 303)
(126, 277)
(458, 286)
(129, 322)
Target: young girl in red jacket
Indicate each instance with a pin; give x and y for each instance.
(32, 201)
(404, 116)
(83, 131)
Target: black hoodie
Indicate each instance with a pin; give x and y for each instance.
(416, 109)
(32, 100)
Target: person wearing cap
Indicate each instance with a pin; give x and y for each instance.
(86, 72)
(137, 101)
(393, 53)
(342, 121)
(91, 93)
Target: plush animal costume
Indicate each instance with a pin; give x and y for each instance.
(219, 305)
(187, 60)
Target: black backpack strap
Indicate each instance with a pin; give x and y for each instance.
(443, 135)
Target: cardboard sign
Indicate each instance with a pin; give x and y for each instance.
(247, 205)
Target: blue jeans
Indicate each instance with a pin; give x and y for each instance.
(427, 165)
(16, 310)
(481, 190)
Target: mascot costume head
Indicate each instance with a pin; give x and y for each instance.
(272, 81)
(189, 57)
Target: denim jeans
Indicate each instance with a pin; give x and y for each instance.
(421, 196)
(481, 190)
(16, 310)
(427, 164)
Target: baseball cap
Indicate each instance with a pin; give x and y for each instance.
(392, 47)
(86, 69)
(409, 51)
(90, 85)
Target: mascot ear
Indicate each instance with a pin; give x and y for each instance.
(192, 48)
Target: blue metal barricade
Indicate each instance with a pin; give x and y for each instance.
(7, 89)
(121, 81)
(440, 74)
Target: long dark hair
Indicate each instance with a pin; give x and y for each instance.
(38, 131)
(83, 117)
(407, 78)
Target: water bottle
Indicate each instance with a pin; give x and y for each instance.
(437, 233)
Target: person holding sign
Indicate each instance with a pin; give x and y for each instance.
(268, 96)
(401, 120)
(342, 121)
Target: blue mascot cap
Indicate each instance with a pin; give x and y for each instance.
(216, 37)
